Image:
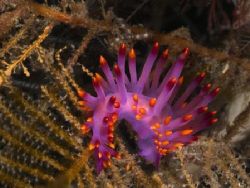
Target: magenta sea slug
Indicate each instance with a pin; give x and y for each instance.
(148, 102)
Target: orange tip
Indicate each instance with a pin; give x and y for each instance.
(186, 132)
(132, 54)
(187, 117)
(167, 120)
(102, 60)
(168, 133)
(152, 102)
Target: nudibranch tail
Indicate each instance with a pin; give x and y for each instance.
(148, 102)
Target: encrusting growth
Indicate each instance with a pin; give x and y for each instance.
(162, 122)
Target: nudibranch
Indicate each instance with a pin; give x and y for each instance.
(148, 103)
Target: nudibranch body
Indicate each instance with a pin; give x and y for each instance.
(161, 122)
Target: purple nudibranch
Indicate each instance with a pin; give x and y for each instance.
(162, 122)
